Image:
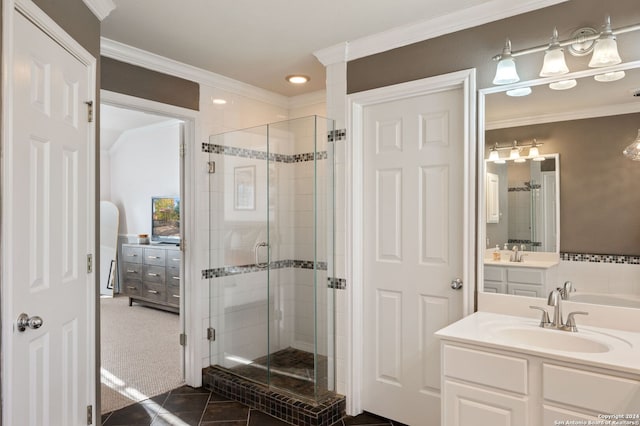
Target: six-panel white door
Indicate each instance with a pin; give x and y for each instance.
(413, 245)
(48, 228)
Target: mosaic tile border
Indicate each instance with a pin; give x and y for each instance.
(337, 283)
(600, 258)
(279, 405)
(337, 135)
(261, 155)
(226, 271)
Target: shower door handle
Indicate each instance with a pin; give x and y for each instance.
(255, 250)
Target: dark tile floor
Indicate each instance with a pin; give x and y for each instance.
(188, 406)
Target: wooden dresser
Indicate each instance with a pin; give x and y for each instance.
(152, 275)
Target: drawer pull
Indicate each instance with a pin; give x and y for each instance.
(177, 296)
(176, 278)
(151, 274)
(153, 291)
(130, 287)
(131, 271)
(153, 257)
(132, 255)
(176, 260)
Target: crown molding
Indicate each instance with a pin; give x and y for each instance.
(132, 55)
(333, 54)
(100, 8)
(427, 29)
(308, 99)
(627, 108)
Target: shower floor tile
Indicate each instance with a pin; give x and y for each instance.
(291, 370)
(186, 408)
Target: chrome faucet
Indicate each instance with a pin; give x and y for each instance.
(566, 289)
(516, 255)
(555, 300)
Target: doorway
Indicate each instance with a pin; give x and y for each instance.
(142, 317)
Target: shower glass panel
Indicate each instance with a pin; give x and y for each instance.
(271, 255)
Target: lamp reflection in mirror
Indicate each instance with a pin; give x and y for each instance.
(506, 72)
(563, 85)
(633, 151)
(609, 76)
(605, 52)
(554, 63)
(523, 91)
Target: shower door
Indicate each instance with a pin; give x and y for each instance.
(271, 247)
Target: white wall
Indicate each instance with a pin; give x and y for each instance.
(143, 162)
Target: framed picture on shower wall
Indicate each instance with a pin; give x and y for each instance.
(244, 181)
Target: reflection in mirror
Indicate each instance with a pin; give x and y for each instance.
(523, 203)
(598, 246)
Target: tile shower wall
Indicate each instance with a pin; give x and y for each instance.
(601, 276)
(239, 304)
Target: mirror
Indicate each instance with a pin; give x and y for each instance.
(598, 238)
(521, 204)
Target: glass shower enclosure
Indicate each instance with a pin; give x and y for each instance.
(271, 251)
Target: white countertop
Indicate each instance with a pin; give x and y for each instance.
(545, 264)
(483, 328)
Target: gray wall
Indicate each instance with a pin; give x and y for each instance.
(599, 196)
(474, 48)
(143, 83)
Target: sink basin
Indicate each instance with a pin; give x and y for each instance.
(551, 339)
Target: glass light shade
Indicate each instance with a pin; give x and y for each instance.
(554, 63)
(533, 152)
(633, 151)
(506, 72)
(609, 76)
(514, 153)
(500, 161)
(523, 91)
(605, 52)
(563, 85)
(493, 155)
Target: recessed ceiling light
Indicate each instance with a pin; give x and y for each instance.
(297, 79)
(218, 101)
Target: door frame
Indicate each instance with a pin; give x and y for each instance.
(189, 304)
(44, 23)
(356, 104)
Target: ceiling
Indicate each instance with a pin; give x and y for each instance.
(114, 121)
(261, 42)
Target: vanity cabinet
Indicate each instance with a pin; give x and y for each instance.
(489, 387)
(518, 280)
(152, 275)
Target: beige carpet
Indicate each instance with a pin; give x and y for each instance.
(140, 353)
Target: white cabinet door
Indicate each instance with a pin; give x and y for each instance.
(493, 198)
(467, 405)
(48, 230)
(553, 416)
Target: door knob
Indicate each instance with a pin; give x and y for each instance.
(456, 284)
(25, 321)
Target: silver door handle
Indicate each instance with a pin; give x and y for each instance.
(255, 250)
(151, 274)
(153, 291)
(25, 321)
(456, 284)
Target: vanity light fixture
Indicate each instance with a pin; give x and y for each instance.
(554, 63)
(633, 151)
(514, 152)
(582, 42)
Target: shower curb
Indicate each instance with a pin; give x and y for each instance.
(282, 406)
